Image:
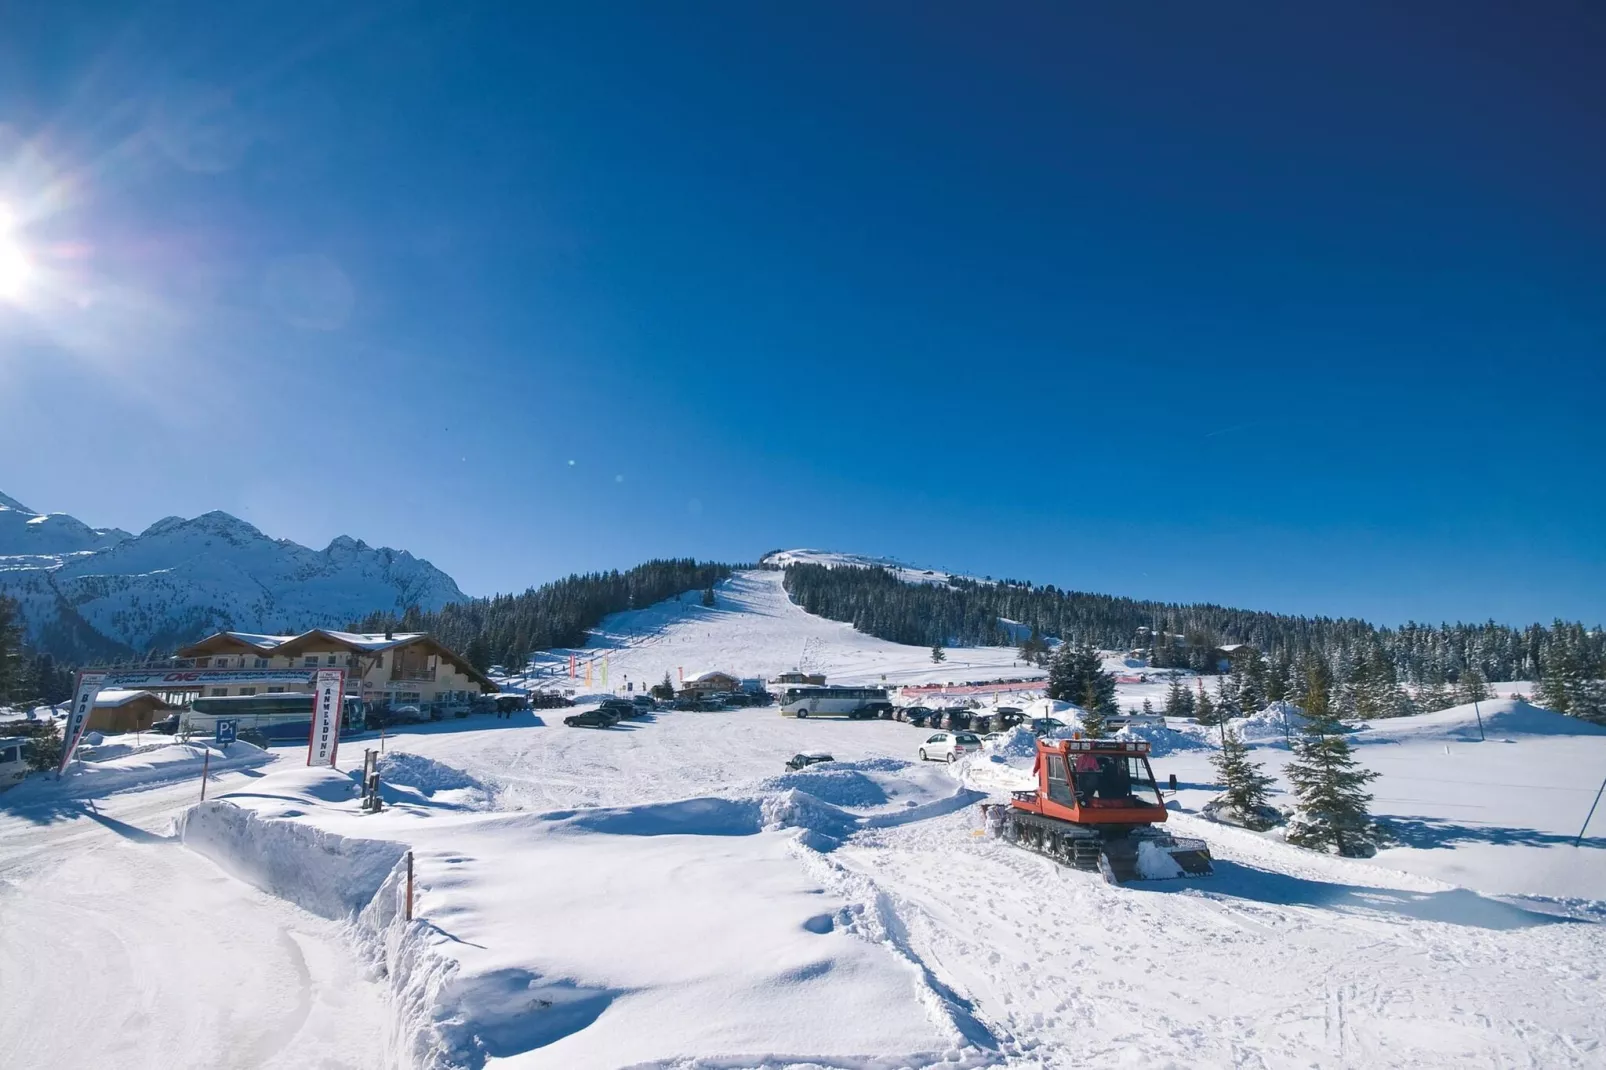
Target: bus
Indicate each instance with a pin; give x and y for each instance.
(854, 703)
(281, 716)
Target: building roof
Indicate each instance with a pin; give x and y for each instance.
(321, 639)
(709, 675)
(113, 697)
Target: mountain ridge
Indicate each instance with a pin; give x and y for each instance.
(97, 592)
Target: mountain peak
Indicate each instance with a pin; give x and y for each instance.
(8, 502)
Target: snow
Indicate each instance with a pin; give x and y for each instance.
(665, 894)
(182, 579)
(1155, 864)
(95, 780)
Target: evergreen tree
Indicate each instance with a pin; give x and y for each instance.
(1472, 687)
(1148, 708)
(708, 596)
(43, 751)
(1095, 725)
(1434, 695)
(13, 665)
(1075, 673)
(1331, 786)
(664, 691)
(478, 653)
(938, 655)
(1178, 700)
(1204, 709)
(1244, 786)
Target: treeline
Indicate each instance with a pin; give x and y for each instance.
(1569, 659)
(506, 629)
(27, 677)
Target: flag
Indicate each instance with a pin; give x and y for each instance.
(588, 674)
(604, 673)
(83, 704)
(571, 667)
(327, 697)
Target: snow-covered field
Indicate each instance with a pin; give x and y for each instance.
(663, 894)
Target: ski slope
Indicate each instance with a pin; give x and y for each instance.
(664, 894)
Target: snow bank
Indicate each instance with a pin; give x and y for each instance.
(1506, 717)
(1271, 723)
(1162, 740)
(330, 875)
(413, 778)
(170, 761)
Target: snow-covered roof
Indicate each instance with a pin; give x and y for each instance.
(113, 697)
(359, 640)
(692, 678)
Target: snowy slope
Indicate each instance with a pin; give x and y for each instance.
(754, 630)
(180, 579)
(831, 559)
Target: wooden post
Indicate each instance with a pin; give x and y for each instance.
(409, 886)
(206, 764)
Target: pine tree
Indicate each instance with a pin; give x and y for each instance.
(938, 654)
(1204, 709)
(708, 596)
(1075, 673)
(1472, 687)
(664, 691)
(12, 663)
(1178, 700)
(43, 751)
(1331, 786)
(1095, 725)
(1244, 786)
(1148, 708)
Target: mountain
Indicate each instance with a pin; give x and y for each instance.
(93, 592)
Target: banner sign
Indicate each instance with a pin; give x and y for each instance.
(326, 703)
(185, 679)
(571, 667)
(83, 704)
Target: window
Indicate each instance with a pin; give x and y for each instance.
(310, 661)
(219, 692)
(10, 754)
(262, 663)
(203, 663)
(334, 659)
(275, 690)
(248, 690)
(1059, 789)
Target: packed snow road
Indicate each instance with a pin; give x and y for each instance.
(119, 948)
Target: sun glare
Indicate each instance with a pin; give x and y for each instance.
(15, 267)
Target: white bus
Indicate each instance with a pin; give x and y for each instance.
(854, 703)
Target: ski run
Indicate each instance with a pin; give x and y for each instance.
(664, 894)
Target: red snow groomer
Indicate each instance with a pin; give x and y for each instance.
(1097, 807)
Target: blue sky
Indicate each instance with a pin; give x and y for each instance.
(1277, 307)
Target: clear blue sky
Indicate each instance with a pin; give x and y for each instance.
(1299, 307)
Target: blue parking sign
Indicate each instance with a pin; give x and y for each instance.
(226, 732)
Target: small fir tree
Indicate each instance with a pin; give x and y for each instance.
(1244, 785)
(1204, 709)
(1094, 723)
(1472, 687)
(708, 596)
(43, 751)
(938, 654)
(1332, 810)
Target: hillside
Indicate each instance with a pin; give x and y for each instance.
(87, 592)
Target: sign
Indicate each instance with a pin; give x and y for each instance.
(227, 732)
(324, 739)
(184, 679)
(83, 704)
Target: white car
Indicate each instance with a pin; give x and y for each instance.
(948, 746)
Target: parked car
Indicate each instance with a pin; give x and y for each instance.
(643, 703)
(619, 708)
(956, 717)
(993, 738)
(1009, 716)
(1042, 726)
(167, 726)
(878, 710)
(909, 713)
(808, 758)
(948, 746)
(597, 718)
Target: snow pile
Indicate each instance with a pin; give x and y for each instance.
(120, 747)
(1162, 740)
(1018, 742)
(1271, 723)
(1068, 712)
(330, 875)
(413, 778)
(838, 783)
(1155, 863)
(171, 761)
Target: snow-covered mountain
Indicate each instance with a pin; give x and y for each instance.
(87, 590)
